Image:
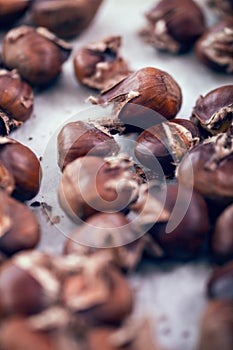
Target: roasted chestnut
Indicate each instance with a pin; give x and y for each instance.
(66, 18)
(99, 65)
(207, 169)
(174, 25)
(220, 284)
(16, 101)
(215, 47)
(144, 98)
(19, 227)
(166, 143)
(37, 54)
(78, 139)
(214, 111)
(12, 10)
(222, 239)
(24, 167)
(221, 7)
(91, 184)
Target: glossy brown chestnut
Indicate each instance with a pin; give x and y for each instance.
(166, 143)
(217, 326)
(215, 47)
(7, 182)
(78, 139)
(99, 65)
(12, 10)
(23, 165)
(207, 168)
(16, 101)
(222, 239)
(149, 93)
(174, 25)
(214, 111)
(220, 284)
(65, 18)
(37, 54)
(221, 7)
(92, 184)
(19, 227)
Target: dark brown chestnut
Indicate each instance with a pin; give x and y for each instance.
(37, 54)
(217, 326)
(16, 101)
(222, 239)
(221, 7)
(66, 18)
(215, 47)
(23, 165)
(99, 65)
(149, 93)
(214, 111)
(78, 139)
(207, 169)
(166, 143)
(174, 25)
(220, 284)
(12, 10)
(92, 184)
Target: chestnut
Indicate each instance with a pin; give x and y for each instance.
(221, 7)
(23, 165)
(19, 227)
(78, 139)
(207, 169)
(144, 98)
(7, 182)
(217, 326)
(12, 10)
(174, 26)
(37, 54)
(214, 47)
(220, 284)
(222, 239)
(16, 101)
(166, 143)
(99, 65)
(214, 111)
(66, 18)
(92, 184)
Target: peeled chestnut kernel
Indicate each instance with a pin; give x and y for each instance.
(207, 168)
(12, 10)
(220, 284)
(99, 65)
(174, 25)
(222, 239)
(166, 143)
(215, 47)
(217, 326)
(19, 227)
(66, 18)
(23, 165)
(149, 93)
(221, 7)
(92, 184)
(16, 101)
(79, 139)
(37, 54)
(214, 111)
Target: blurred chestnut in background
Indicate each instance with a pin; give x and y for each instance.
(220, 284)
(174, 25)
(99, 65)
(37, 54)
(214, 111)
(16, 101)
(166, 143)
(144, 98)
(66, 18)
(221, 7)
(215, 47)
(79, 139)
(12, 10)
(19, 227)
